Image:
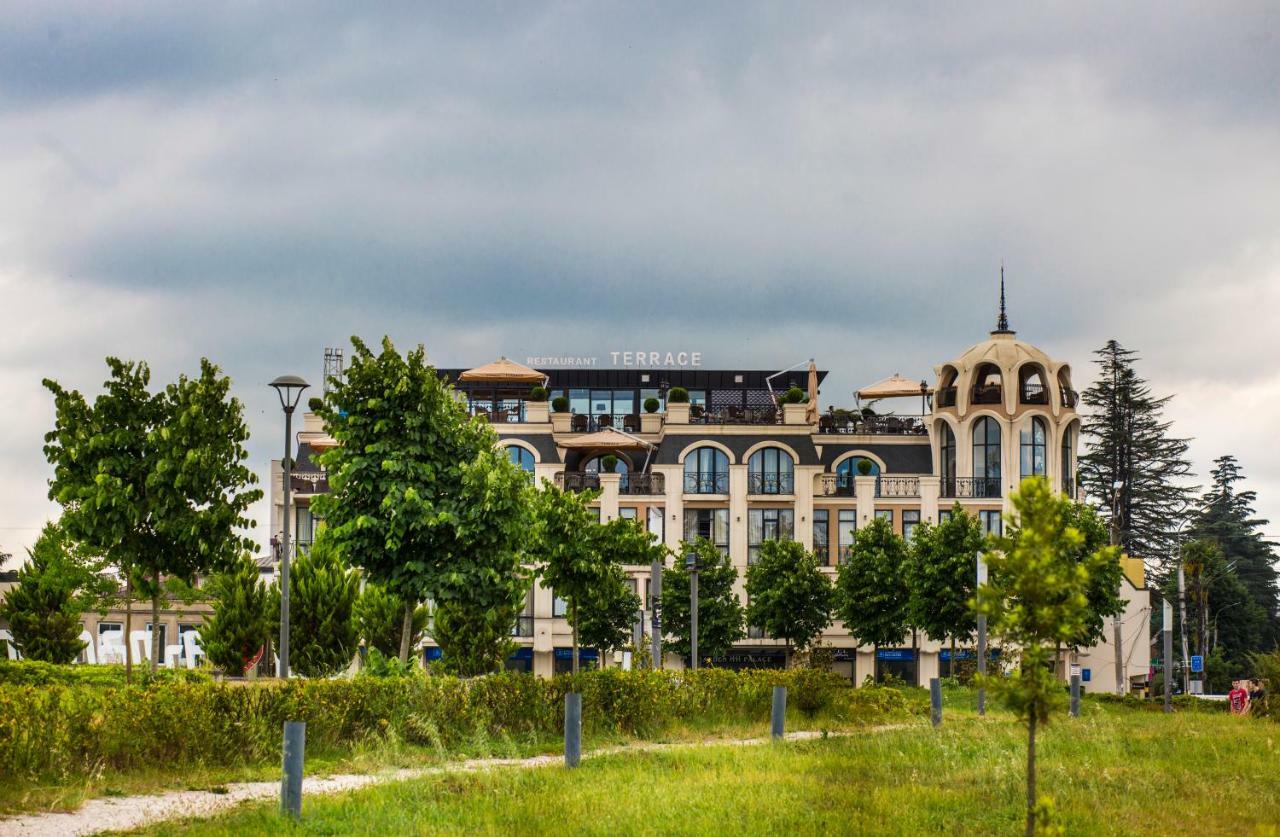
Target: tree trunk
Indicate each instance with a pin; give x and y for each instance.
(575, 635)
(156, 650)
(875, 662)
(128, 628)
(1031, 776)
(951, 669)
(406, 632)
(915, 655)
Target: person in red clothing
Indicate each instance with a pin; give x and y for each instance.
(1239, 698)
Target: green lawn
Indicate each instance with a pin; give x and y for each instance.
(1115, 770)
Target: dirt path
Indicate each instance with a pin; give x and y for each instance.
(124, 813)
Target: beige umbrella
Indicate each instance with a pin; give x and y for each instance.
(504, 371)
(894, 386)
(609, 438)
(811, 409)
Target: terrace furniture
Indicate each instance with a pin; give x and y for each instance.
(826, 424)
(191, 645)
(697, 411)
(604, 420)
(8, 644)
(736, 416)
(579, 423)
(631, 423)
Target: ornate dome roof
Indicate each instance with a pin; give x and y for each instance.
(1005, 351)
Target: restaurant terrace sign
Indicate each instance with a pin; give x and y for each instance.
(622, 359)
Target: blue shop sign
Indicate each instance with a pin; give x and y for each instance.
(583, 654)
(898, 654)
(525, 653)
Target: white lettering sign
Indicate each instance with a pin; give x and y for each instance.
(623, 358)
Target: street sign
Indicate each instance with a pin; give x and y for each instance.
(1197, 663)
(1086, 675)
(1075, 671)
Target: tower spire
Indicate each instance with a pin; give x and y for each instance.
(1002, 322)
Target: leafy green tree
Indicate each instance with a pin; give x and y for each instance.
(54, 589)
(379, 619)
(153, 482)
(242, 619)
(721, 617)
(942, 575)
(323, 590)
(871, 586)
(789, 597)
(609, 612)
(1128, 444)
(417, 495)
(1036, 599)
(1226, 518)
(565, 547)
(473, 641)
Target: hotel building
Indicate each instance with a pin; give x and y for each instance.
(736, 467)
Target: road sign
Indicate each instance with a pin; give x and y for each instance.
(1075, 671)
(1086, 675)
(1197, 663)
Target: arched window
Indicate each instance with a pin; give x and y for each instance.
(770, 471)
(521, 457)
(1032, 388)
(1069, 396)
(706, 471)
(1035, 449)
(1068, 478)
(847, 470)
(947, 458)
(593, 465)
(987, 382)
(986, 450)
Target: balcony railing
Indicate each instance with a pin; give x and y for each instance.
(989, 394)
(837, 485)
(499, 416)
(641, 484)
(1034, 394)
(577, 481)
(971, 487)
(873, 425)
(523, 626)
(734, 415)
(583, 423)
(716, 482)
(1070, 398)
(761, 483)
(945, 397)
(897, 486)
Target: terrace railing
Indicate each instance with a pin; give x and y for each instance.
(945, 397)
(989, 394)
(971, 488)
(642, 484)
(734, 415)
(577, 481)
(1070, 398)
(1034, 394)
(713, 482)
(762, 483)
(837, 485)
(873, 425)
(889, 486)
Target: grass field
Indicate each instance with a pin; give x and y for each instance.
(1115, 770)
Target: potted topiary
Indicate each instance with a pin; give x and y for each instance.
(651, 405)
(795, 395)
(793, 408)
(609, 463)
(535, 406)
(864, 467)
(650, 420)
(561, 418)
(678, 406)
(560, 404)
(537, 394)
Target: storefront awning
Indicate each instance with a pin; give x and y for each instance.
(503, 371)
(894, 386)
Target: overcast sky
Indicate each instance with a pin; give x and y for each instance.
(761, 183)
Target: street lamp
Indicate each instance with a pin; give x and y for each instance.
(1116, 623)
(691, 564)
(289, 388)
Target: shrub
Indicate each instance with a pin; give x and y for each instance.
(795, 395)
(651, 405)
(678, 395)
(560, 404)
(609, 463)
(241, 621)
(537, 394)
(379, 618)
(864, 467)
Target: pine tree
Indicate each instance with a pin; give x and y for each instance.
(720, 613)
(322, 596)
(1132, 467)
(1226, 518)
(53, 590)
(379, 618)
(242, 618)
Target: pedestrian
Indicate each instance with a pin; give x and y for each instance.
(1238, 697)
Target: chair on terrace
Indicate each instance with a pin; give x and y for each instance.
(631, 423)
(579, 423)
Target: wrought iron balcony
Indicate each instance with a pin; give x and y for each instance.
(1034, 394)
(989, 394)
(945, 397)
(499, 416)
(583, 423)
(641, 484)
(971, 487)
(523, 626)
(889, 486)
(1070, 398)
(716, 482)
(699, 414)
(872, 425)
(577, 481)
(762, 483)
(837, 485)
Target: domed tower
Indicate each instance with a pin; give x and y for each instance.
(1002, 411)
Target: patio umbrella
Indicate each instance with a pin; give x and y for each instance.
(894, 386)
(811, 409)
(608, 438)
(503, 371)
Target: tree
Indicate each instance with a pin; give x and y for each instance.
(323, 590)
(154, 483)
(1035, 600)
(1227, 519)
(942, 576)
(871, 588)
(788, 596)
(242, 619)
(1131, 466)
(565, 546)
(417, 495)
(472, 644)
(608, 614)
(379, 619)
(54, 589)
(721, 617)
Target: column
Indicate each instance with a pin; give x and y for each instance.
(865, 491)
(609, 496)
(930, 491)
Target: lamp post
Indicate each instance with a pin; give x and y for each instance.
(1116, 624)
(982, 642)
(691, 564)
(289, 388)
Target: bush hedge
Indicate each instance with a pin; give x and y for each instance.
(64, 730)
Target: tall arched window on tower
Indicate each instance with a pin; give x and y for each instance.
(1068, 478)
(947, 461)
(986, 457)
(1035, 449)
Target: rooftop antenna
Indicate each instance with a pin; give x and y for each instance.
(1002, 322)
(332, 367)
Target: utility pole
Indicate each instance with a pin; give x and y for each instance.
(691, 564)
(1118, 638)
(1182, 616)
(655, 596)
(1166, 624)
(982, 641)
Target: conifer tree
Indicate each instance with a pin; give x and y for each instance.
(54, 588)
(322, 594)
(242, 618)
(1132, 467)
